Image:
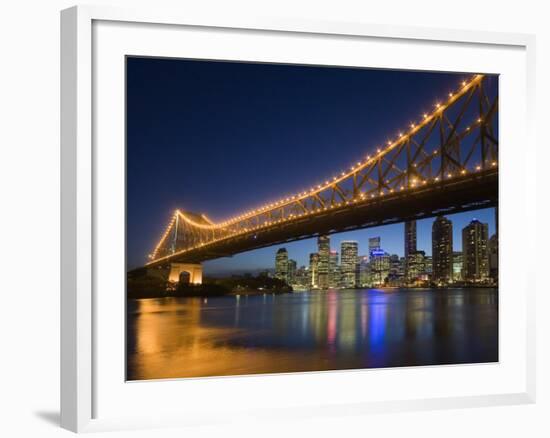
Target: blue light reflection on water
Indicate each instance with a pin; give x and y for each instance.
(377, 326)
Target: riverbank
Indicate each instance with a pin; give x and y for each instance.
(153, 287)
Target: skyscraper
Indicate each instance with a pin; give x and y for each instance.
(457, 266)
(442, 250)
(348, 264)
(428, 265)
(395, 276)
(333, 270)
(323, 245)
(475, 257)
(374, 244)
(410, 243)
(379, 266)
(281, 264)
(302, 280)
(402, 263)
(364, 271)
(314, 270)
(291, 274)
(493, 257)
(416, 266)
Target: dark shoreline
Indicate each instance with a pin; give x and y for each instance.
(141, 285)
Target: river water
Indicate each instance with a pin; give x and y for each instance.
(310, 331)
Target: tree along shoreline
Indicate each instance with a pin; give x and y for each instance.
(145, 286)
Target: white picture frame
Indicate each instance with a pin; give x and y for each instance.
(80, 370)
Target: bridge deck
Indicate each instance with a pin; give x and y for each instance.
(470, 192)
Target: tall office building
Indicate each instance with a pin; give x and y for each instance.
(457, 266)
(379, 267)
(291, 274)
(302, 279)
(323, 245)
(410, 237)
(364, 271)
(374, 244)
(475, 256)
(281, 264)
(349, 264)
(442, 250)
(395, 276)
(402, 262)
(493, 257)
(410, 243)
(333, 270)
(314, 270)
(428, 265)
(415, 266)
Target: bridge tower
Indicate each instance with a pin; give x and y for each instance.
(193, 269)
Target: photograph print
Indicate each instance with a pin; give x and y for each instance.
(289, 218)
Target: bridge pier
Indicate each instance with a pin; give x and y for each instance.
(193, 269)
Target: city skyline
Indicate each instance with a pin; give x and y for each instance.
(392, 241)
(378, 268)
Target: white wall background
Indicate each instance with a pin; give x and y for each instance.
(29, 215)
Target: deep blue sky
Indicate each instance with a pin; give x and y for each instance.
(222, 137)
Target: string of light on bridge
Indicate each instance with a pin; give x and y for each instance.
(415, 183)
(413, 128)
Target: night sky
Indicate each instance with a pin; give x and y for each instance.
(223, 137)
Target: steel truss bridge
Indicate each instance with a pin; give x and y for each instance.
(444, 163)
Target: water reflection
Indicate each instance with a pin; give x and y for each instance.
(309, 331)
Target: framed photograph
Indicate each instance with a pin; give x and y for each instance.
(257, 208)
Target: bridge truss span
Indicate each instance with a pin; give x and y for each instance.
(445, 162)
